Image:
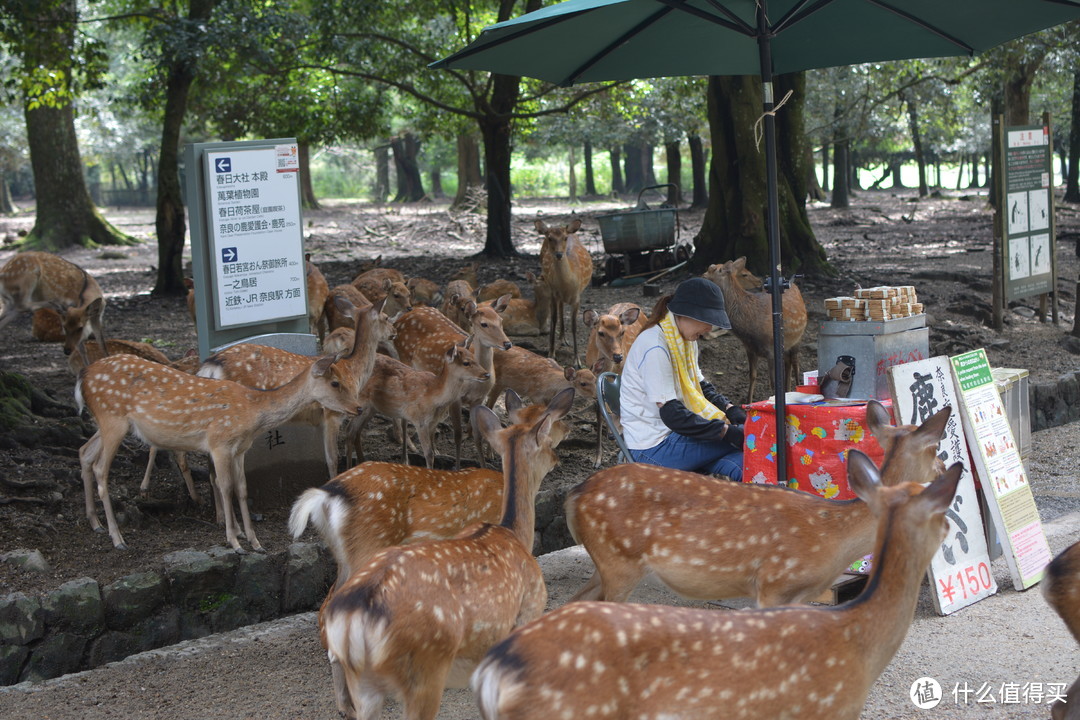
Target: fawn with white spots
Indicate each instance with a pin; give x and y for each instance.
(377, 505)
(567, 268)
(144, 350)
(418, 618)
(424, 335)
(418, 397)
(751, 319)
(1061, 587)
(176, 411)
(610, 336)
(263, 367)
(711, 539)
(33, 280)
(605, 660)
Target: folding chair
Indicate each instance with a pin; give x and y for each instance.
(607, 399)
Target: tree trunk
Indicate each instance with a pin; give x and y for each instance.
(65, 215)
(307, 193)
(635, 167)
(7, 206)
(825, 166)
(648, 166)
(816, 192)
(410, 183)
(590, 177)
(617, 185)
(436, 183)
(916, 142)
(1072, 188)
(572, 177)
(381, 191)
(674, 173)
(697, 171)
(840, 196)
(468, 169)
(734, 223)
(496, 131)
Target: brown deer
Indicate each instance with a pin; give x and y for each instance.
(523, 316)
(417, 618)
(1061, 588)
(395, 291)
(610, 336)
(536, 377)
(47, 325)
(175, 411)
(468, 274)
(456, 299)
(423, 399)
(794, 661)
(147, 352)
(732, 539)
(317, 292)
(374, 276)
(189, 300)
(263, 367)
(498, 288)
(567, 270)
(751, 319)
(423, 337)
(424, 291)
(33, 280)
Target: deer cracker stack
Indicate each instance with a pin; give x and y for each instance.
(875, 304)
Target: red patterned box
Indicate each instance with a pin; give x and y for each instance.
(819, 437)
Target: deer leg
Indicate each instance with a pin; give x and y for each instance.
(144, 486)
(426, 433)
(599, 436)
(551, 330)
(591, 590)
(185, 472)
(796, 370)
(455, 419)
(331, 426)
(101, 466)
(573, 331)
(422, 699)
(354, 435)
(366, 697)
(752, 359)
(223, 464)
(240, 483)
(88, 455)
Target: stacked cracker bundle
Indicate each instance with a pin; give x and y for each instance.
(875, 304)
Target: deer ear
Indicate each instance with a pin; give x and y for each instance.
(96, 306)
(941, 491)
(380, 305)
(513, 401)
(589, 317)
(933, 428)
(501, 304)
(469, 308)
(569, 373)
(864, 478)
(322, 366)
(540, 227)
(344, 306)
(598, 367)
(629, 316)
(561, 403)
(880, 424)
(574, 225)
(487, 423)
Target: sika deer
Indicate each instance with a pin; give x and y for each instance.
(567, 269)
(523, 316)
(425, 334)
(424, 291)
(711, 539)
(537, 378)
(263, 367)
(1061, 587)
(400, 392)
(33, 280)
(610, 338)
(655, 661)
(498, 288)
(751, 320)
(417, 618)
(172, 410)
(317, 292)
(47, 325)
(459, 294)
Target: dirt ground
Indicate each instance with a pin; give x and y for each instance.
(940, 245)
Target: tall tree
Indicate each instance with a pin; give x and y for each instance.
(734, 223)
(1072, 179)
(53, 70)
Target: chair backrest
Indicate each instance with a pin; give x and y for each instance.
(607, 397)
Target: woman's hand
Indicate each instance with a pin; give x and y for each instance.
(733, 434)
(735, 414)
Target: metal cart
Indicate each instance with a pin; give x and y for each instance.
(642, 240)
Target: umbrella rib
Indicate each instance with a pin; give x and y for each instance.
(737, 23)
(613, 45)
(476, 48)
(925, 25)
(797, 14)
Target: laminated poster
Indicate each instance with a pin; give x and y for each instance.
(960, 569)
(997, 460)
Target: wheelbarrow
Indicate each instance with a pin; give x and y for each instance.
(642, 240)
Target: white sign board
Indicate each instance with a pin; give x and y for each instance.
(256, 236)
(997, 460)
(960, 569)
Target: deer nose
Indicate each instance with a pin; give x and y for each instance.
(485, 376)
(558, 256)
(507, 345)
(617, 358)
(67, 351)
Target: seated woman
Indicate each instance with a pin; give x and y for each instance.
(670, 415)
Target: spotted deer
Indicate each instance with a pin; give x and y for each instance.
(418, 397)
(459, 294)
(33, 280)
(498, 288)
(317, 292)
(176, 411)
(752, 320)
(537, 378)
(418, 618)
(263, 367)
(610, 336)
(567, 269)
(424, 291)
(1061, 588)
(468, 274)
(148, 352)
(712, 539)
(425, 334)
(524, 316)
(620, 661)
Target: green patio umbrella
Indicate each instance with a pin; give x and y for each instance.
(599, 40)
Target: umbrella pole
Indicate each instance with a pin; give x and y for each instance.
(772, 229)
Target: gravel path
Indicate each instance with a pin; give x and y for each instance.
(1008, 642)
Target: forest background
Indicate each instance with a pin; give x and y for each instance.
(102, 95)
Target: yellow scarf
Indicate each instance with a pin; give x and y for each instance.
(684, 365)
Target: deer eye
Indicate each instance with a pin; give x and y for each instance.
(483, 324)
(465, 363)
(334, 384)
